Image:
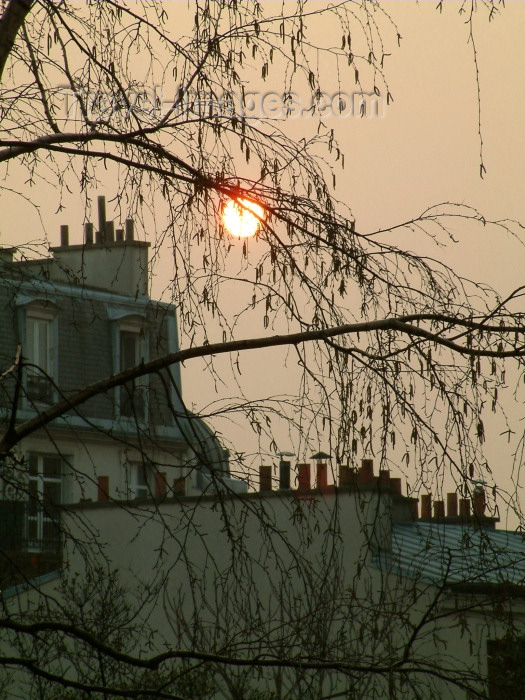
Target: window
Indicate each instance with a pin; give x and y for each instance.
(138, 484)
(40, 351)
(45, 495)
(133, 395)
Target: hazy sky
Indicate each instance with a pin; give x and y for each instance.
(425, 151)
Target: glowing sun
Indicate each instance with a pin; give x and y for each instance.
(242, 217)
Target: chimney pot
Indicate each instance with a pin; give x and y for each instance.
(426, 505)
(265, 478)
(64, 235)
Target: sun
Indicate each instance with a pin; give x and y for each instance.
(242, 217)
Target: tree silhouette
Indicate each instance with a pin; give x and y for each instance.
(400, 356)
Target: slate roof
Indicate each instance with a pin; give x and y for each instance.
(455, 554)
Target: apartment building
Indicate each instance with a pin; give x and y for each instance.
(67, 321)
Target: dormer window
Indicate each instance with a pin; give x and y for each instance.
(40, 355)
(131, 352)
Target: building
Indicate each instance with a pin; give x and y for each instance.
(347, 578)
(73, 319)
(121, 519)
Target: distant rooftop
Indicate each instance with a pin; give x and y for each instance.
(455, 555)
(107, 259)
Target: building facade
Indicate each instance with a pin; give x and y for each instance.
(323, 592)
(66, 322)
(120, 521)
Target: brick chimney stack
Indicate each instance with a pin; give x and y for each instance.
(107, 261)
(366, 473)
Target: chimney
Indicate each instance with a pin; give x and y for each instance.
(64, 236)
(366, 473)
(478, 500)
(439, 510)
(426, 505)
(88, 233)
(347, 475)
(265, 478)
(117, 268)
(464, 507)
(303, 477)
(395, 483)
(130, 230)
(415, 510)
(119, 235)
(384, 478)
(102, 218)
(452, 505)
(322, 475)
(110, 231)
(284, 474)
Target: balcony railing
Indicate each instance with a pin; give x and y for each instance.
(23, 558)
(38, 388)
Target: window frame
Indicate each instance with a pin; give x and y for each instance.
(39, 507)
(136, 488)
(139, 330)
(36, 317)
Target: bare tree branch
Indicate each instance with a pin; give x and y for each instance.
(11, 21)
